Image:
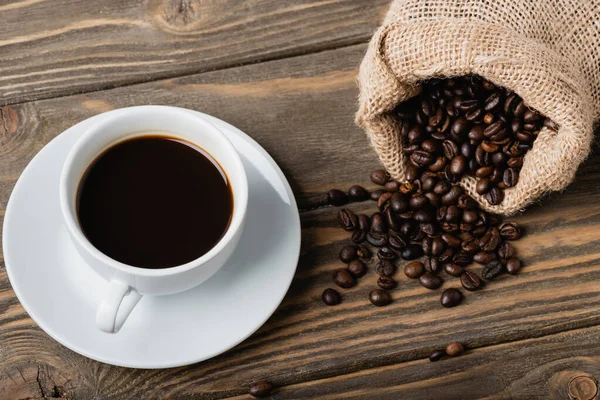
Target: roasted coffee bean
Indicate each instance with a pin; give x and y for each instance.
(493, 129)
(496, 176)
(488, 118)
(364, 222)
(453, 269)
(515, 162)
(492, 270)
(363, 252)
(343, 278)
(393, 221)
(458, 165)
(442, 188)
(430, 145)
(347, 219)
(459, 129)
(476, 133)
(377, 239)
(493, 101)
(378, 223)
(348, 253)
(414, 269)
(510, 103)
(430, 229)
(425, 215)
(483, 185)
(436, 355)
(505, 251)
(484, 172)
(451, 240)
(260, 389)
(376, 194)
(466, 202)
(468, 150)
(453, 214)
(385, 267)
(519, 109)
(510, 231)
(385, 253)
(411, 252)
(470, 246)
(428, 183)
(359, 236)
(383, 203)
(482, 157)
(336, 197)
(418, 201)
(450, 176)
(357, 268)
(455, 349)
(489, 147)
(437, 246)
(379, 297)
(399, 203)
(392, 186)
(513, 265)
(451, 149)
(461, 258)
(470, 217)
(484, 258)
(421, 158)
(358, 193)
(379, 177)
(430, 281)
(511, 177)
(548, 123)
(468, 105)
(475, 115)
(531, 116)
(412, 172)
(494, 196)
(452, 196)
(407, 228)
(451, 298)
(446, 256)
(396, 242)
(433, 265)
(426, 246)
(387, 283)
(489, 242)
(499, 158)
(470, 281)
(331, 297)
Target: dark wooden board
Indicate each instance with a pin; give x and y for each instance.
(56, 48)
(301, 110)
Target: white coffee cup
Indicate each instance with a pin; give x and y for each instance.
(125, 279)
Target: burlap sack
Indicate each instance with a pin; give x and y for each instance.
(547, 51)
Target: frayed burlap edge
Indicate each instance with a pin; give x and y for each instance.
(400, 56)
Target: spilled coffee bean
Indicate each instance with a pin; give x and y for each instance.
(387, 283)
(260, 389)
(451, 297)
(379, 297)
(331, 297)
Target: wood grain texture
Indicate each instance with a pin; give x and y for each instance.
(301, 110)
(55, 48)
(551, 367)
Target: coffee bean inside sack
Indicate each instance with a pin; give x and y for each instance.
(429, 228)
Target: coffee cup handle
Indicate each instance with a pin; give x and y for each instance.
(111, 307)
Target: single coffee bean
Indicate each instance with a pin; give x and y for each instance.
(505, 251)
(483, 185)
(358, 193)
(378, 223)
(476, 133)
(385, 253)
(347, 219)
(396, 241)
(446, 256)
(484, 172)
(460, 128)
(433, 265)
(411, 252)
(475, 115)
(376, 194)
(470, 281)
(484, 258)
(336, 197)
(387, 283)
(451, 240)
(510, 103)
(531, 116)
(379, 177)
(495, 196)
(493, 102)
(383, 203)
(399, 203)
(493, 129)
(470, 246)
(492, 270)
(379, 297)
(489, 242)
(470, 217)
(414, 269)
(357, 268)
(468, 105)
(439, 164)
(451, 298)
(452, 196)
(426, 245)
(468, 150)
(421, 158)
(453, 269)
(392, 186)
(450, 176)
(430, 229)
(510, 231)
(489, 147)
(436, 355)
(499, 158)
(260, 389)
(359, 236)
(458, 164)
(510, 177)
(364, 222)
(385, 267)
(451, 149)
(428, 183)
(343, 278)
(415, 135)
(513, 265)
(425, 215)
(430, 145)
(461, 258)
(515, 162)
(437, 246)
(496, 176)
(411, 172)
(455, 349)
(418, 201)
(348, 253)
(430, 281)
(453, 214)
(442, 187)
(331, 297)
(363, 252)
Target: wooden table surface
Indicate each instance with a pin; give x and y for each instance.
(284, 72)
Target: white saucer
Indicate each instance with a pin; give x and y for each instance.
(62, 294)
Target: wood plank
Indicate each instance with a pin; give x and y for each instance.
(301, 110)
(546, 368)
(60, 47)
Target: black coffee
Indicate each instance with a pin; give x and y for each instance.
(154, 202)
